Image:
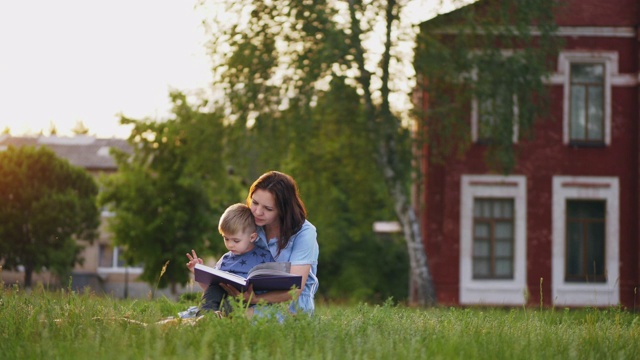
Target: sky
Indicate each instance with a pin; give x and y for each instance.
(68, 61)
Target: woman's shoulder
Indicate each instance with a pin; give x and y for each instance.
(306, 228)
(306, 233)
(304, 245)
(307, 225)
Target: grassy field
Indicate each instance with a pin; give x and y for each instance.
(66, 325)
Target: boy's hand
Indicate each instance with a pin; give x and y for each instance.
(193, 260)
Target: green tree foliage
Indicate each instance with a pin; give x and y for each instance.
(269, 96)
(275, 62)
(280, 56)
(80, 128)
(46, 206)
(167, 196)
(334, 171)
(486, 52)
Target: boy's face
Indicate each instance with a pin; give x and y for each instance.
(239, 243)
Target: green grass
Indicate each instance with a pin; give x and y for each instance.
(63, 325)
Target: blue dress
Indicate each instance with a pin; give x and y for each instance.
(302, 249)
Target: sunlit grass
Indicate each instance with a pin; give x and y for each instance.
(67, 325)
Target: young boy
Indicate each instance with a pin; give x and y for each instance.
(238, 229)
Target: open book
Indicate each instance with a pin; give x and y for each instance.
(266, 276)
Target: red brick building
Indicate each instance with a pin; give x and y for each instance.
(563, 228)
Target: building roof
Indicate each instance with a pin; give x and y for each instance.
(88, 152)
(571, 13)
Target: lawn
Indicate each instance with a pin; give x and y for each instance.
(67, 325)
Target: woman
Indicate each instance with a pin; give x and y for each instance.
(283, 229)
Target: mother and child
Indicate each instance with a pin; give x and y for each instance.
(272, 226)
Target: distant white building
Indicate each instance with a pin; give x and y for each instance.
(103, 270)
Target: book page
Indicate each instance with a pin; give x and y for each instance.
(271, 268)
(268, 272)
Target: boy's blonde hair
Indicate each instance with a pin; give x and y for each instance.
(236, 219)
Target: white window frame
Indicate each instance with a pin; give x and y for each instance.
(591, 188)
(114, 268)
(610, 61)
(475, 109)
(475, 120)
(493, 291)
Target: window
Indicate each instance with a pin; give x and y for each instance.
(485, 121)
(494, 109)
(587, 103)
(486, 114)
(493, 218)
(110, 259)
(587, 78)
(493, 239)
(585, 241)
(110, 256)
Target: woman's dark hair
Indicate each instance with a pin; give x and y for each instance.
(291, 211)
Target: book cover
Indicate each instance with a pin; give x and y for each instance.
(263, 277)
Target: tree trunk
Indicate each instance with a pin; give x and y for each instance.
(420, 274)
(28, 276)
(383, 128)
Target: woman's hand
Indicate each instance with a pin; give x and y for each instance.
(249, 295)
(193, 260)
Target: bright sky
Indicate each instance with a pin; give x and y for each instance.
(66, 61)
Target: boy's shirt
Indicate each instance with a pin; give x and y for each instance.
(241, 264)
